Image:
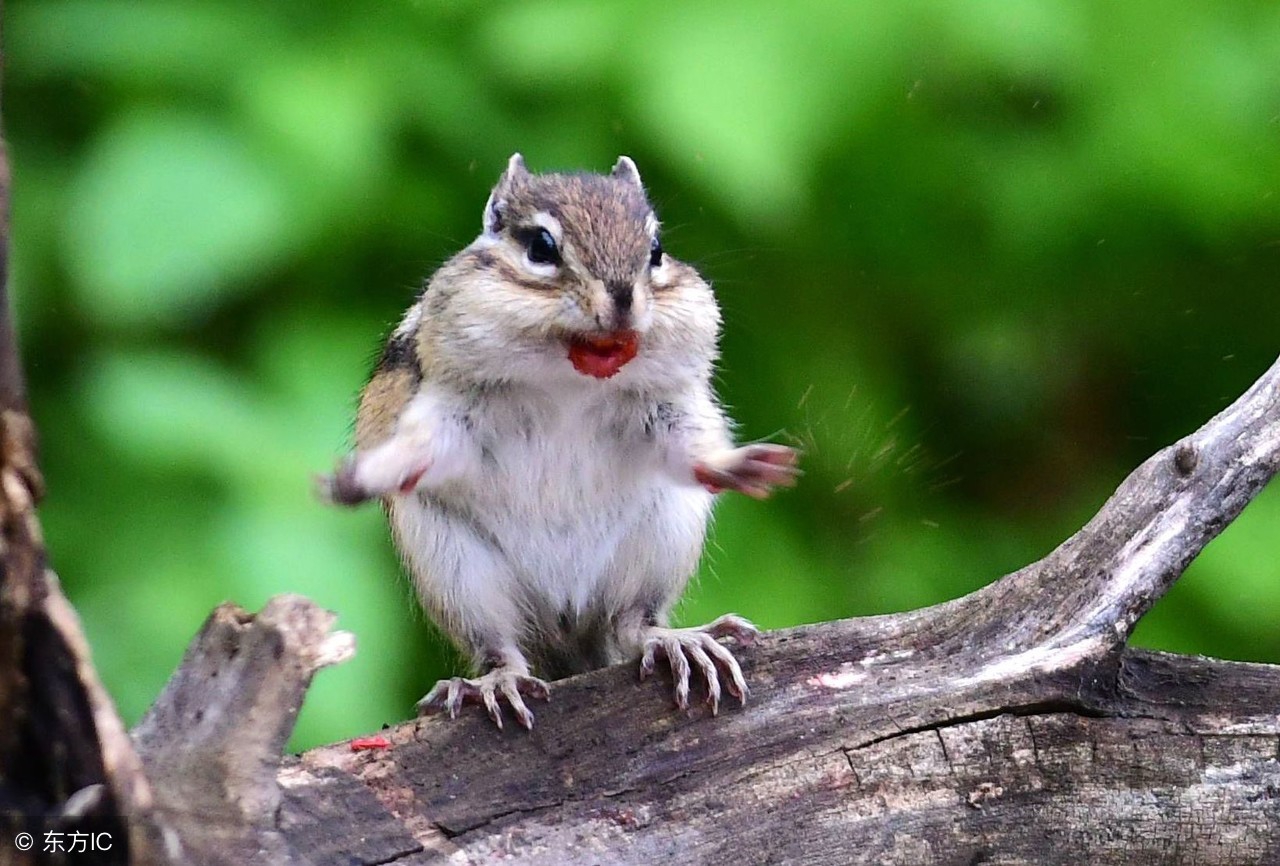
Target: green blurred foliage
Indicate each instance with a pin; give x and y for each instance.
(980, 258)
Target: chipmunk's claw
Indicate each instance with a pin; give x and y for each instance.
(450, 695)
(680, 645)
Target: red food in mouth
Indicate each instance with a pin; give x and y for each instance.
(602, 357)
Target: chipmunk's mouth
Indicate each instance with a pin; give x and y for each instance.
(603, 356)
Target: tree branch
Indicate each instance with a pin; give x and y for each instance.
(1099, 583)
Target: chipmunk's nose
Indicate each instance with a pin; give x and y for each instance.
(623, 293)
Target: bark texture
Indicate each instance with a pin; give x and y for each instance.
(1176, 765)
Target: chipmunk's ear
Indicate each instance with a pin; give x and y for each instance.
(515, 173)
(625, 169)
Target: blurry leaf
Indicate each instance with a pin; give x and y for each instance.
(169, 596)
(327, 124)
(170, 408)
(561, 44)
(319, 363)
(36, 204)
(739, 104)
(172, 213)
(440, 92)
(1024, 37)
(143, 594)
(143, 42)
(1007, 369)
(910, 564)
(1178, 117)
(1228, 595)
(191, 416)
(753, 566)
(746, 105)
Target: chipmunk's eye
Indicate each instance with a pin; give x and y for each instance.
(655, 253)
(541, 247)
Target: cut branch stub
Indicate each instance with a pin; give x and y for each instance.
(212, 742)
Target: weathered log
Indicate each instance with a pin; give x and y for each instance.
(836, 763)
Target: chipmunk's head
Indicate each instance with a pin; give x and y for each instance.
(573, 266)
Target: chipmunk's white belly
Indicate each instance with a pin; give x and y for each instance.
(572, 516)
(570, 509)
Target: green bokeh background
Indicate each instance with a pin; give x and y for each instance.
(981, 258)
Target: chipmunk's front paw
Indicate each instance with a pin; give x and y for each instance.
(449, 695)
(752, 469)
(680, 645)
(340, 487)
(370, 475)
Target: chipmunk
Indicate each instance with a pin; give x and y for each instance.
(542, 432)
